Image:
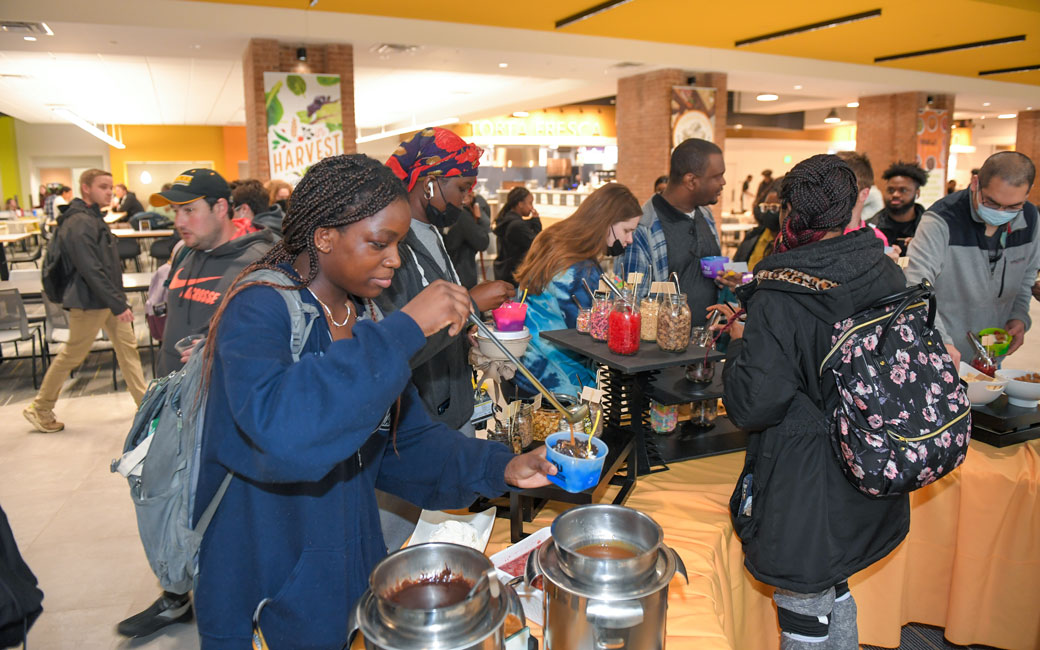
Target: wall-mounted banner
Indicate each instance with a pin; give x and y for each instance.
(304, 122)
(933, 147)
(693, 114)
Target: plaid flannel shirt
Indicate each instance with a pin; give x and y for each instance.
(648, 252)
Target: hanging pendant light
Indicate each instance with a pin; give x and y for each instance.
(832, 117)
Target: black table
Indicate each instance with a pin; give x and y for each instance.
(626, 384)
(1001, 424)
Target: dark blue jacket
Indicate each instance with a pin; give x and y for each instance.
(308, 444)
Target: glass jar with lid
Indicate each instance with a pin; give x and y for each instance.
(673, 324)
(648, 310)
(600, 316)
(624, 325)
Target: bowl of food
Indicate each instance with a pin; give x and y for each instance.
(996, 341)
(515, 342)
(576, 470)
(982, 389)
(1023, 387)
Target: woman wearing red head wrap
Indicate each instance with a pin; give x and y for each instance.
(437, 168)
(805, 529)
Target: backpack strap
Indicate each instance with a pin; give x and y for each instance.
(921, 291)
(301, 319)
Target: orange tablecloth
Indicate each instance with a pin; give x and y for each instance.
(971, 563)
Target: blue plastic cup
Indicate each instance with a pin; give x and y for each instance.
(575, 474)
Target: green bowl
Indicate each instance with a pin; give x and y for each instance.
(997, 349)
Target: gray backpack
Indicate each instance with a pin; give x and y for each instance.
(162, 454)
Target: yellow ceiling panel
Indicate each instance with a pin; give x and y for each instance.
(902, 26)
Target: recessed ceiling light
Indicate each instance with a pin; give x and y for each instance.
(503, 65)
(738, 126)
(852, 105)
(985, 103)
(30, 38)
(196, 47)
(798, 87)
(767, 97)
(1029, 108)
(1006, 116)
(520, 113)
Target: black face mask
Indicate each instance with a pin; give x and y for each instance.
(283, 204)
(770, 219)
(617, 248)
(441, 218)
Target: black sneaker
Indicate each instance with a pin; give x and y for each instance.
(170, 608)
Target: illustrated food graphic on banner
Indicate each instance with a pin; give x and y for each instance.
(933, 143)
(304, 122)
(693, 114)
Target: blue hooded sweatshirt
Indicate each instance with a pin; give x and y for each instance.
(308, 443)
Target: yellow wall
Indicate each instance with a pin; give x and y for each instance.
(221, 146)
(9, 175)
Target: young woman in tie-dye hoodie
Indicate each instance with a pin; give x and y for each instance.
(560, 258)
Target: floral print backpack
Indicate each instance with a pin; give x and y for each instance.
(903, 418)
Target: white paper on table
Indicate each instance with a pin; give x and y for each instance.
(531, 599)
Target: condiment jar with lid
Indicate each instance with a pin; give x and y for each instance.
(598, 322)
(648, 310)
(624, 325)
(673, 324)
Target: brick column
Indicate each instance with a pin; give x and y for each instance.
(886, 127)
(1027, 141)
(644, 124)
(268, 55)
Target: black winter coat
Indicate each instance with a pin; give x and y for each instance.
(514, 236)
(808, 528)
(89, 248)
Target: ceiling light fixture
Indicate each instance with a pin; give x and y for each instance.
(301, 54)
(834, 22)
(407, 129)
(798, 87)
(313, 2)
(31, 39)
(520, 113)
(1006, 116)
(767, 97)
(590, 12)
(832, 117)
(503, 65)
(852, 105)
(985, 103)
(90, 128)
(952, 48)
(1022, 68)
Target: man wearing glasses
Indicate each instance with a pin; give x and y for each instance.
(981, 249)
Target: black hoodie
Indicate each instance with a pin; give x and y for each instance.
(197, 283)
(514, 235)
(809, 528)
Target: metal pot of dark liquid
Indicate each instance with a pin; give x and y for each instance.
(606, 572)
(422, 598)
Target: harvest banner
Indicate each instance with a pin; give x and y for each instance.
(304, 122)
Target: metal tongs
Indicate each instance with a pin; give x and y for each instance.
(572, 414)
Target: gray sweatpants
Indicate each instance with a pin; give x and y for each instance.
(817, 621)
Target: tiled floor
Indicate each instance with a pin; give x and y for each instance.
(74, 520)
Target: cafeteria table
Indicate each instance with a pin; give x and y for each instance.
(30, 283)
(971, 562)
(10, 238)
(128, 233)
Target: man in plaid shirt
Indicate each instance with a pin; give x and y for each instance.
(676, 230)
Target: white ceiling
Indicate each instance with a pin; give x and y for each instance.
(116, 64)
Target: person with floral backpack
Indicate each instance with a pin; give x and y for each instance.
(805, 528)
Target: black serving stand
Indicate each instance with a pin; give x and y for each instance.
(689, 440)
(626, 386)
(1001, 424)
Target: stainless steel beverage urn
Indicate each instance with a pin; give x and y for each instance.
(606, 572)
(474, 621)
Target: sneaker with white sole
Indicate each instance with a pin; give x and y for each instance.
(43, 420)
(170, 608)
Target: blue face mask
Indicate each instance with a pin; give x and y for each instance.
(995, 217)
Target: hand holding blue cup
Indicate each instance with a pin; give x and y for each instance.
(575, 474)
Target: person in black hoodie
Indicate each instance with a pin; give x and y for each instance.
(804, 527)
(129, 205)
(516, 227)
(93, 296)
(468, 237)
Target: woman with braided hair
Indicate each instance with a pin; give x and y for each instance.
(804, 527)
(306, 443)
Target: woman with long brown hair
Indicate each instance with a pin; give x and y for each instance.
(560, 258)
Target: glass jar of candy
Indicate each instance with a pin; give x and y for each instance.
(673, 324)
(648, 310)
(663, 418)
(584, 320)
(624, 325)
(600, 316)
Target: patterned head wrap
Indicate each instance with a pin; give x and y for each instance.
(821, 192)
(434, 152)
